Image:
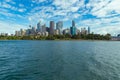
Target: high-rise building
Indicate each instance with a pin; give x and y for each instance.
(22, 32)
(17, 33)
(88, 30)
(28, 32)
(83, 31)
(59, 26)
(39, 27)
(73, 23)
(33, 30)
(52, 24)
(73, 28)
(44, 28)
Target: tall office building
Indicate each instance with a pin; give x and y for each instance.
(59, 26)
(73, 31)
(44, 28)
(22, 32)
(17, 33)
(73, 23)
(39, 27)
(73, 28)
(88, 30)
(28, 32)
(52, 24)
(33, 31)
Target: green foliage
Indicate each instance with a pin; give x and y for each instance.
(59, 37)
(76, 37)
(50, 37)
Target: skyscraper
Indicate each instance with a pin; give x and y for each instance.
(39, 26)
(44, 28)
(33, 31)
(88, 30)
(28, 32)
(59, 26)
(22, 32)
(73, 28)
(52, 27)
(73, 23)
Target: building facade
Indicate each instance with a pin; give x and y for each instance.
(52, 25)
(59, 26)
(73, 28)
(39, 26)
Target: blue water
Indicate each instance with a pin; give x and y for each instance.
(59, 60)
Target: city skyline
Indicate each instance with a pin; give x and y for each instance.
(52, 29)
(102, 16)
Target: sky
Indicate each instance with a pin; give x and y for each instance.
(102, 16)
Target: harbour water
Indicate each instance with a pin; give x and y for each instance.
(59, 60)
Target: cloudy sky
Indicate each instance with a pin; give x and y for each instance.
(103, 16)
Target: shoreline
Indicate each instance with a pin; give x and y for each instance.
(57, 40)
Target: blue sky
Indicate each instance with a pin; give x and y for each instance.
(103, 16)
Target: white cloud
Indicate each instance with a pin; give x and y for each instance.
(67, 10)
(70, 5)
(8, 0)
(5, 5)
(21, 5)
(38, 1)
(112, 29)
(63, 8)
(65, 4)
(22, 10)
(10, 27)
(5, 12)
(105, 8)
(108, 12)
(103, 25)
